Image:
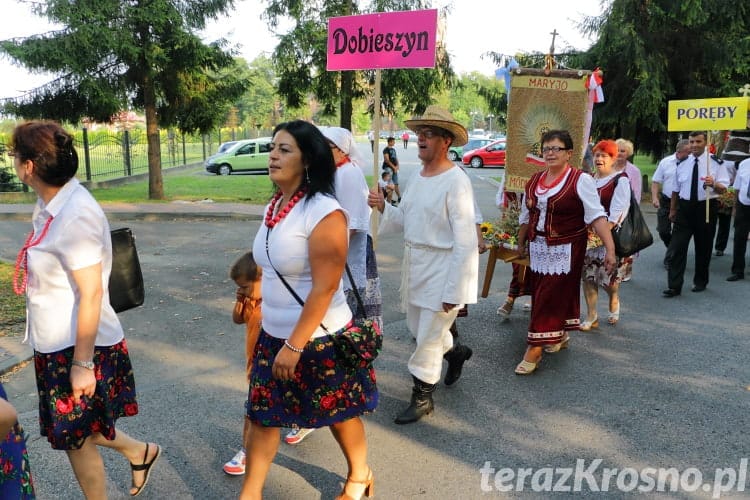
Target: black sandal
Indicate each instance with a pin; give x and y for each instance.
(144, 467)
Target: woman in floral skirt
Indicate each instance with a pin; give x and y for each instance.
(298, 380)
(83, 372)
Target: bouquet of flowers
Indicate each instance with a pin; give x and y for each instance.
(726, 200)
(504, 231)
(593, 240)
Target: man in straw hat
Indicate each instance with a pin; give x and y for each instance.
(440, 266)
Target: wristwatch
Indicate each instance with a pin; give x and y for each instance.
(89, 365)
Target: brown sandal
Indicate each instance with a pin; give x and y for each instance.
(369, 487)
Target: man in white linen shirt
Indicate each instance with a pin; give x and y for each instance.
(441, 263)
(661, 191)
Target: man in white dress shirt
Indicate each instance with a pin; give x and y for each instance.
(693, 187)
(661, 191)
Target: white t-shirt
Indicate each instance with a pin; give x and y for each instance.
(288, 247)
(351, 193)
(78, 237)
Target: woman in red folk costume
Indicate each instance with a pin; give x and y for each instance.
(560, 203)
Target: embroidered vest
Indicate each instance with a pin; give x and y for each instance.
(564, 218)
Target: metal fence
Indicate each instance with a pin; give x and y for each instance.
(107, 155)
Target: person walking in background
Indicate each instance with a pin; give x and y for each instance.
(724, 212)
(16, 482)
(390, 163)
(302, 248)
(83, 373)
(560, 203)
(741, 220)
(405, 138)
(386, 186)
(441, 263)
(518, 285)
(623, 164)
(661, 192)
(247, 276)
(614, 194)
(688, 214)
(371, 138)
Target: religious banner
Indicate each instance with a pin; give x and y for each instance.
(542, 100)
(405, 39)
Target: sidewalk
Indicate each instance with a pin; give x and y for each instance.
(12, 352)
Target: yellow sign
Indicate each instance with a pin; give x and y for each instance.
(724, 113)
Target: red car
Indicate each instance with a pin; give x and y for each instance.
(491, 154)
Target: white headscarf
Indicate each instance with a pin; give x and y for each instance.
(344, 140)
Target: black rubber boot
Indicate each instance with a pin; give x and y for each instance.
(421, 403)
(456, 358)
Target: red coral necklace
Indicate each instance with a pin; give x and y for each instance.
(20, 273)
(270, 220)
(342, 161)
(543, 188)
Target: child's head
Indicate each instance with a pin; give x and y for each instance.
(386, 175)
(245, 269)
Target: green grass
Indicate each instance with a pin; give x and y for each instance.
(12, 306)
(252, 189)
(646, 165)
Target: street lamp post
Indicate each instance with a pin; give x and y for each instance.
(490, 117)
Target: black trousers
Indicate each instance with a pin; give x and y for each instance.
(741, 230)
(723, 223)
(664, 225)
(691, 223)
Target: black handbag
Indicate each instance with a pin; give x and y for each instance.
(631, 235)
(126, 289)
(362, 340)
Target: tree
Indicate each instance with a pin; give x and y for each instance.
(113, 54)
(661, 50)
(300, 61)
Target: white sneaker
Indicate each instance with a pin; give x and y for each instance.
(236, 466)
(296, 436)
(527, 307)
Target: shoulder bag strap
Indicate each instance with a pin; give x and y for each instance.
(288, 287)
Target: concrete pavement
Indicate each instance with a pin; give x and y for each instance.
(666, 387)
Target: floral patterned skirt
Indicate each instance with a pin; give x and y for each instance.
(15, 474)
(67, 423)
(324, 391)
(594, 271)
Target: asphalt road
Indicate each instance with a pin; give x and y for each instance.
(667, 387)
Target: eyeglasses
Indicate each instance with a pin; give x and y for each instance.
(553, 149)
(428, 133)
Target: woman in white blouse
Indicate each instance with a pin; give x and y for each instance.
(83, 372)
(614, 192)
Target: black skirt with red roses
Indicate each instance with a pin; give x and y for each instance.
(325, 389)
(67, 423)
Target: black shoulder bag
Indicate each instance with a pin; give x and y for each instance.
(631, 235)
(362, 340)
(126, 289)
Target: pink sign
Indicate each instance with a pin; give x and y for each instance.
(403, 39)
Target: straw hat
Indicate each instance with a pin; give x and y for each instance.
(435, 116)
